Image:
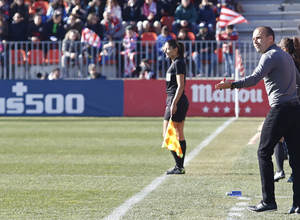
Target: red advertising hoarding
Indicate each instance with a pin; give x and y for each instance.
(147, 98)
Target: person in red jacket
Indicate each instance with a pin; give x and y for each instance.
(228, 46)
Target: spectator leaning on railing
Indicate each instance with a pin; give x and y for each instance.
(55, 27)
(36, 29)
(72, 54)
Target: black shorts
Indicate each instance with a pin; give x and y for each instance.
(182, 108)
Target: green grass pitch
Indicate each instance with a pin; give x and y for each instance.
(85, 168)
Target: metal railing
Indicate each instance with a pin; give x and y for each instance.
(27, 60)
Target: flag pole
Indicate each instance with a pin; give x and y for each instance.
(236, 90)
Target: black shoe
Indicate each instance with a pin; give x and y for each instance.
(290, 180)
(279, 175)
(176, 170)
(294, 210)
(263, 207)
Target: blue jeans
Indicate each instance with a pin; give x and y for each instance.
(229, 68)
(209, 58)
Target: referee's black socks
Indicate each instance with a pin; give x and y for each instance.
(180, 161)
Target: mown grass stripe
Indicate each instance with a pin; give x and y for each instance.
(128, 204)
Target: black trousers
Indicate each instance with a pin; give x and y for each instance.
(281, 121)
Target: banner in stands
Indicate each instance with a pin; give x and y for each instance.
(147, 98)
(129, 97)
(61, 98)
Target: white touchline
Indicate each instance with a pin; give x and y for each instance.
(127, 205)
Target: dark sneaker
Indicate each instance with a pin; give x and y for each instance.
(176, 170)
(294, 210)
(279, 175)
(263, 207)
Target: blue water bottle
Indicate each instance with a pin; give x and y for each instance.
(234, 193)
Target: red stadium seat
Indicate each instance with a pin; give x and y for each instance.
(192, 36)
(53, 56)
(35, 57)
(148, 37)
(167, 20)
(18, 57)
(173, 35)
(40, 4)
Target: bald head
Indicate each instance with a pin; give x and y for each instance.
(263, 38)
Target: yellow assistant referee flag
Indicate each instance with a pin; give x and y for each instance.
(171, 140)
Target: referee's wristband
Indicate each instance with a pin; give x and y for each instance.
(233, 85)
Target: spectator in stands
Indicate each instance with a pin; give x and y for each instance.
(78, 9)
(4, 26)
(73, 23)
(226, 3)
(112, 27)
(92, 72)
(150, 17)
(114, 8)
(130, 48)
(97, 7)
(4, 8)
(169, 7)
(2, 49)
(131, 13)
(204, 51)
(55, 74)
(55, 30)
(207, 15)
(56, 5)
(108, 52)
(71, 48)
(91, 45)
(36, 29)
(159, 47)
(94, 24)
(40, 11)
(185, 17)
(188, 46)
(18, 28)
(227, 37)
(146, 72)
(18, 6)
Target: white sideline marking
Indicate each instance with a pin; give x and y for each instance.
(127, 205)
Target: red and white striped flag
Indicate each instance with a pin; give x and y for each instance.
(239, 62)
(90, 37)
(230, 17)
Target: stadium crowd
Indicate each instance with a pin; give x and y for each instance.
(110, 20)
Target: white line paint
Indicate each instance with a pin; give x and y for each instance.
(128, 204)
(236, 212)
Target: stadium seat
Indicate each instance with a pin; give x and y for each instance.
(191, 35)
(35, 57)
(167, 20)
(18, 57)
(148, 38)
(173, 35)
(53, 56)
(148, 42)
(40, 4)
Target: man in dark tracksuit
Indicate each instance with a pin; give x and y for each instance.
(281, 78)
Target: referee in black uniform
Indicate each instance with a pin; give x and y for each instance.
(177, 102)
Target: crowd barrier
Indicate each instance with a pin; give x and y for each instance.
(27, 60)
